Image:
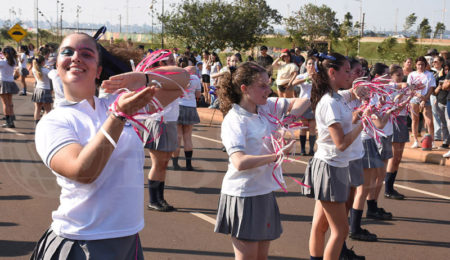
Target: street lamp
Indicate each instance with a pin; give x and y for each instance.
(78, 17)
(60, 21)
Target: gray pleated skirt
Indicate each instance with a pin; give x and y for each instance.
(372, 158)
(51, 246)
(385, 148)
(327, 183)
(188, 116)
(42, 96)
(8, 87)
(254, 218)
(356, 170)
(162, 136)
(308, 114)
(401, 135)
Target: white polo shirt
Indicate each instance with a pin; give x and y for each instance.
(111, 206)
(244, 131)
(43, 83)
(331, 109)
(356, 149)
(305, 87)
(189, 99)
(426, 78)
(57, 87)
(6, 71)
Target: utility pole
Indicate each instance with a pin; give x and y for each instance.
(443, 16)
(78, 17)
(60, 21)
(361, 24)
(162, 27)
(396, 20)
(36, 16)
(120, 23)
(128, 27)
(57, 15)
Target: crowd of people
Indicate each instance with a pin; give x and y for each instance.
(92, 150)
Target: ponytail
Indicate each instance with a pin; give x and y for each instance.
(37, 66)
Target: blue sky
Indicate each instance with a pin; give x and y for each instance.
(380, 14)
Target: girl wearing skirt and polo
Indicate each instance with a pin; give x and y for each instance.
(327, 173)
(97, 157)
(7, 85)
(42, 95)
(247, 206)
(187, 118)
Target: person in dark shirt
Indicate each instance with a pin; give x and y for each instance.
(265, 59)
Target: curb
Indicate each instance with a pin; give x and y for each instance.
(214, 116)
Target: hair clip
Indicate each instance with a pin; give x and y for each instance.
(323, 56)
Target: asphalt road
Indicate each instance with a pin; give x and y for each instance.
(28, 194)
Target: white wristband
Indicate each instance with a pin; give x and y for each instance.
(108, 137)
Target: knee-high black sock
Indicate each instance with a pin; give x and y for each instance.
(175, 162)
(153, 187)
(355, 220)
(303, 143)
(372, 205)
(312, 141)
(188, 155)
(394, 176)
(161, 191)
(389, 182)
(344, 249)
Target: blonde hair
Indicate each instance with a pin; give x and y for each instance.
(38, 67)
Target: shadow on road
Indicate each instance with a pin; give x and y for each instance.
(427, 199)
(16, 197)
(8, 224)
(297, 218)
(204, 253)
(202, 190)
(16, 141)
(15, 248)
(426, 182)
(19, 161)
(414, 242)
(423, 220)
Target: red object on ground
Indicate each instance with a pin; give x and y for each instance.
(427, 143)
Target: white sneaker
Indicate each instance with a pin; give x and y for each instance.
(446, 155)
(433, 146)
(415, 145)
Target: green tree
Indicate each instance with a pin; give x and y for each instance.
(385, 48)
(439, 29)
(424, 29)
(310, 23)
(409, 22)
(218, 24)
(346, 39)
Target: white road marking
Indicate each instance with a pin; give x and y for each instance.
(12, 130)
(204, 217)
(209, 139)
(422, 191)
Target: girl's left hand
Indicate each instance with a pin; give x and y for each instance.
(129, 80)
(130, 103)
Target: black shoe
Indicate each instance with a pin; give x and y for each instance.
(380, 214)
(22, 94)
(166, 205)
(363, 235)
(9, 125)
(189, 168)
(224, 149)
(176, 167)
(311, 153)
(350, 255)
(157, 207)
(302, 153)
(444, 146)
(394, 195)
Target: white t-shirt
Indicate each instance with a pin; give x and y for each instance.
(305, 87)
(331, 110)
(244, 131)
(57, 87)
(23, 61)
(205, 71)
(43, 83)
(189, 99)
(356, 149)
(6, 71)
(285, 72)
(111, 206)
(427, 79)
(214, 70)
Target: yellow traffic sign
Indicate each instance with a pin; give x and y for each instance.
(17, 32)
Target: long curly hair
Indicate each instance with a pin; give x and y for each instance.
(320, 80)
(229, 87)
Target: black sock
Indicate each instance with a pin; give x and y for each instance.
(161, 190)
(303, 143)
(344, 249)
(188, 155)
(312, 141)
(153, 187)
(389, 182)
(355, 220)
(175, 162)
(394, 175)
(315, 257)
(372, 205)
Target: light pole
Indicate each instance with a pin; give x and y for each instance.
(78, 17)
(162, 27)
(60, 21)
(36, 6)
(360, 24)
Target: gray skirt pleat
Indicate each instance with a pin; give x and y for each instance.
(255, 218)
(385, 148)
(327, 183)
(372, 158)
(356, 171)
(8, 87)
(401, 135)
(188, 116)
(42, 96)
(162, 136)
(54, 247)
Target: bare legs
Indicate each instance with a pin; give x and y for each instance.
(250, 250)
